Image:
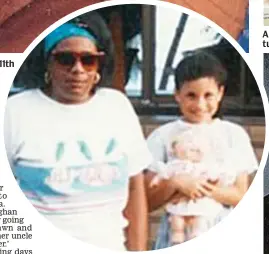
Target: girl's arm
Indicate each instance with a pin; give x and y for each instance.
(136, 212)
(244, 160)
(181, 185)
(231, 195)
(159, 195)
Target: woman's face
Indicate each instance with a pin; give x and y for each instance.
(73, 71)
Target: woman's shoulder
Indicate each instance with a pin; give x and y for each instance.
(22, 97)
(111, 94)
(110, 91)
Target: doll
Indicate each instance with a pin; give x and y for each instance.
(191, 153)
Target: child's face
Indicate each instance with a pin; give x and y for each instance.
(199, 99)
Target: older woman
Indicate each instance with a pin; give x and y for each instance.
(77, 150)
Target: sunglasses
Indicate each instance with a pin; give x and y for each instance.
(89, 61)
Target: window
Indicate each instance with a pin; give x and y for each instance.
(149, 43)
(165, 37)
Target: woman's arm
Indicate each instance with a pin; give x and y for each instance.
(251, 177)
(136, 212)
(231, 195)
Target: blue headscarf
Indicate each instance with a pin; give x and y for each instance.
(65, 31)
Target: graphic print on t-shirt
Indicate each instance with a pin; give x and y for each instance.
(103, 173)
(74, 159)
(71, 180)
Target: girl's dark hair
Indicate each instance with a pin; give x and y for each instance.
(32, 72)
(197, 65)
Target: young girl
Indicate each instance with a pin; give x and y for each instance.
(200, 80)
(192, 154)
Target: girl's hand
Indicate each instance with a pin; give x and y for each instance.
(178, 197)
(232, 194)
(192, 187)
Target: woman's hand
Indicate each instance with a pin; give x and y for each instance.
(192, 187)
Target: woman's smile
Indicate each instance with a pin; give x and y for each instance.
(76, 82)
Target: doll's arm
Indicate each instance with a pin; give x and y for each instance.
(166, 171)
(161, 194)
(161, 173)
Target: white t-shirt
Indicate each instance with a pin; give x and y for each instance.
(73, 162)
(230, 147)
